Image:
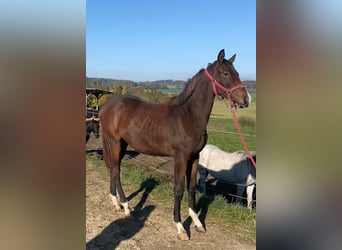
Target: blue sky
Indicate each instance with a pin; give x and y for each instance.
(159, 39)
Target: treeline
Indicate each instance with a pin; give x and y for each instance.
(107, 83)
(151, 91)
(251, 85)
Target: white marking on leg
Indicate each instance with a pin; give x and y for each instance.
(115, 202)
(250, 196)
(195, 218)
(126, 208)
(180, 228)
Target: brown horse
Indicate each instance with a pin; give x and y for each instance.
(176, 129)
(92, 125)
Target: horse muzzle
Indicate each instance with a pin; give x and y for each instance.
(246, 101)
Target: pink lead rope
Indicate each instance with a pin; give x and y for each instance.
(215, 85)
(243, 140)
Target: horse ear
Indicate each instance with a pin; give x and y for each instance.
(220, 56)
(232, 59)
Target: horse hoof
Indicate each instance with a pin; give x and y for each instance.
(117, 208)
(200, 229)
(183, 236)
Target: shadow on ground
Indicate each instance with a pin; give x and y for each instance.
(119, 230)
(125, 228)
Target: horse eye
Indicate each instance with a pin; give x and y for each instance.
(225, 73)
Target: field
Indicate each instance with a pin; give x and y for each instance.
(171, 89)
(146, 181)
(220, 110)
(221, 129)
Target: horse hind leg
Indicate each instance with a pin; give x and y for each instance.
(107, 158)
(191, 176)
(123, 198)
(117, 152)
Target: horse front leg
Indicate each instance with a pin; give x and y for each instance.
(249, 191)
(179, 178)
(191, 175)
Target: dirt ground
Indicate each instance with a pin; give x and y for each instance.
(150, 226)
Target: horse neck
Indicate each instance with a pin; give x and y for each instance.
(200, 103)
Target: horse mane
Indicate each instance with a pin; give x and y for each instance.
(187, 91)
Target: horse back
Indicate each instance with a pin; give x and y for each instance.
(234, 167)
(156, 129)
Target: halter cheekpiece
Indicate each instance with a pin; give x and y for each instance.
(229, 92)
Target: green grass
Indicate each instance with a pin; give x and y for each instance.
(222, 133)
(221, 120)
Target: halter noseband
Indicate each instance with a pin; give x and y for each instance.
(229, 92)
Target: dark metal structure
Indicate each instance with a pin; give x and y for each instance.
(98, 93)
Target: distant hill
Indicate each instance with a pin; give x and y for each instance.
(110, 83)
(107, 83)
(251, 85)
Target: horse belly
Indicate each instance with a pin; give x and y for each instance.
(147, 143)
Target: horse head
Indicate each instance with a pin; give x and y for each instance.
(93, 125)
(226, 81)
